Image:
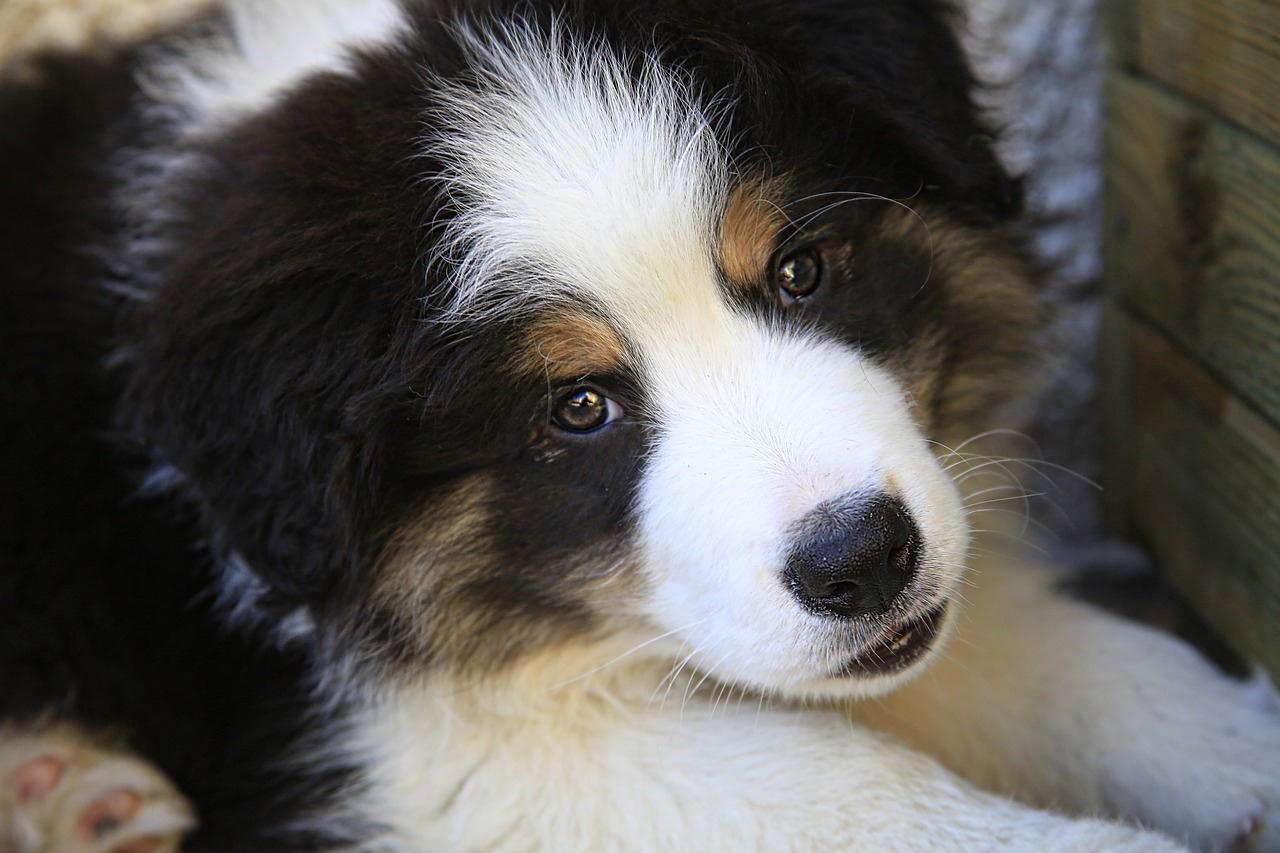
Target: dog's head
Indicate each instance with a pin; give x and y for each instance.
(514, 329)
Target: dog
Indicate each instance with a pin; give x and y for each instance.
(491, 425)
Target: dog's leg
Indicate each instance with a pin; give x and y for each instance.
(1061, 704)
(597, 771)
(62, 793)
(808, 786)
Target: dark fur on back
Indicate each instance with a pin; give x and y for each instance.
(106, 613)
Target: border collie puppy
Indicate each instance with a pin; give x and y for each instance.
(473, 425)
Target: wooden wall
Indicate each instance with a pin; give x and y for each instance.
(1191, 348)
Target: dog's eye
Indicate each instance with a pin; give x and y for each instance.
(798, 275)
(584, 410)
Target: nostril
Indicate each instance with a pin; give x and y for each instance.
(853, 556)
(835, 589)
(900, 555)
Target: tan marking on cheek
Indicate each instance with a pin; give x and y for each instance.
(918, 371)
(611, 585)
(570, 345)
(428, 571)
(749, 232)
(978, 357)
(434, 573)
(439, 549)
(979, 267)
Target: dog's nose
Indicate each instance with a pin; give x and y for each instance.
(853, 556)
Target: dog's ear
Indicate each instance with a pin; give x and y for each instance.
(918, 81)
(249, 394)
(260, 364)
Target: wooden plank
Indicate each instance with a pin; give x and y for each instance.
(1115, 396)
(1223, 54)
(1204, 492)
(1118, 25)
(1193, 233)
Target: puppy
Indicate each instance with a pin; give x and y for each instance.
(469, 425)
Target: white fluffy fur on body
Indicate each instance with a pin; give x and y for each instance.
(1041, 698)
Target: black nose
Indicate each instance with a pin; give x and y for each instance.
(853, 556)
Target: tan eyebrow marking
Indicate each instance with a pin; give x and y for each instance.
(749, 231)
(569, 345)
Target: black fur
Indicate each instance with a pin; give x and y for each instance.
(105, 605)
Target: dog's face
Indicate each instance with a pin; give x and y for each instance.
(517, 332)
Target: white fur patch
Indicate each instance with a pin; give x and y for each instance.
(269, 46)
(749, 443)
(570, 170)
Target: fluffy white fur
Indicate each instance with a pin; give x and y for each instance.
(270, 45)
(1041, 698)
(781, 424)
(568, 173)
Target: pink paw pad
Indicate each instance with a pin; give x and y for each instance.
(35, 779)
(107, 814)
(61, 792)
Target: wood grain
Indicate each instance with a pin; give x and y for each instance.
(1192, 233)
(1223, 54)
(1204, 492)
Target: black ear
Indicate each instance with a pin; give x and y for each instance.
(243, 388)
(262, 365)
(904, 60)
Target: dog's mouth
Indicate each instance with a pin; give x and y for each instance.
(900, 646)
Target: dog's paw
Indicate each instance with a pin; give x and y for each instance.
(1216, 782)
(62, 793)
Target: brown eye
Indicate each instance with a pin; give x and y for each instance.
(584, 410)
(798, 275)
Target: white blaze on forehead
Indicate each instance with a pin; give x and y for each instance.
(579, 173)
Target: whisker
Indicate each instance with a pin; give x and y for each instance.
(1002, 487)
(1019, 539)
(1022, 496)
(672, 676)
(689, 693)
(627, 653)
